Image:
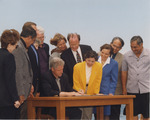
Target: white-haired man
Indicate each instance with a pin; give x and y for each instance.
(43, 51)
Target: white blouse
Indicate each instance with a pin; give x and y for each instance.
(88, 73)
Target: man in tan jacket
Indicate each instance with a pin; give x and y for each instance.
(117, 43)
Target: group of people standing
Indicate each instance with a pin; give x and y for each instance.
(27, 70)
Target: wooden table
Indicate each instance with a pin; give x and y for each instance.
(62, 102)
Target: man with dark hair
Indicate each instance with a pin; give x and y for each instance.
(34, 59)
(73, 55)
(117, 43)
(136, 77)
(24, 76)
(27, 24)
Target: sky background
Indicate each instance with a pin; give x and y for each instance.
(97, 21)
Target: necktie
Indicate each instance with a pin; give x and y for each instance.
(78, 57)
(58, 83)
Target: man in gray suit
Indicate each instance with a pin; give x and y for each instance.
(117, 43)
(24, 75)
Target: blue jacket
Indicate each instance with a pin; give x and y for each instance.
(109, 78)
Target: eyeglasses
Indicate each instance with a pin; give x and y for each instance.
(118, 47)
(41, 37)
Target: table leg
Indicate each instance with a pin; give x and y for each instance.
(61, 110)
(31, 110)
(100, 112)
(129, 110)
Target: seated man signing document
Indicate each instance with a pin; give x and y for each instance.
(55, 83)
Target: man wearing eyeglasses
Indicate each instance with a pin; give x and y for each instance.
(117, 43)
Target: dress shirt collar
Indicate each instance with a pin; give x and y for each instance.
(107, 61)
(80, 53)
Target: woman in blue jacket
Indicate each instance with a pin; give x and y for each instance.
(109, 76)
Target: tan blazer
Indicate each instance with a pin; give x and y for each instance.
(119, 58)
(79, 78)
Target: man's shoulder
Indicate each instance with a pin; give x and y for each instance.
(19, 50)
(147, 51)
(46, 45)
(119, 54)
(66, 52)
(64, 75)
(85, 46)
(119, 57)
(128, 53)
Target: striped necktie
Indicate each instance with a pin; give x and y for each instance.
(78, 57)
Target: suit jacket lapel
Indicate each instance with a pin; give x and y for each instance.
(72, 59)
(24, 50)
(117, 56)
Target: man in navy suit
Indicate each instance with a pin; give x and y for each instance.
(34, 59)
(71, 55)
(35, 64)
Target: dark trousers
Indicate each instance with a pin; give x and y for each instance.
(72, 113)
(9, 112)
(23, 110)
(115, 112)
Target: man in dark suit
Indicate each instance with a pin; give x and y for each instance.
(43, 51)
(74, 54)
(55, 83)
(34, 59)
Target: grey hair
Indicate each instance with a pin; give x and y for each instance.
(120, 39)
(40, 29)
(37, 41)
(55, 62)
(138, 39)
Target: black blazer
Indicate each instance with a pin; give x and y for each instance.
(8, 90)
(35, 67)
(49, 86)
(46, 48)
(70, 61)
